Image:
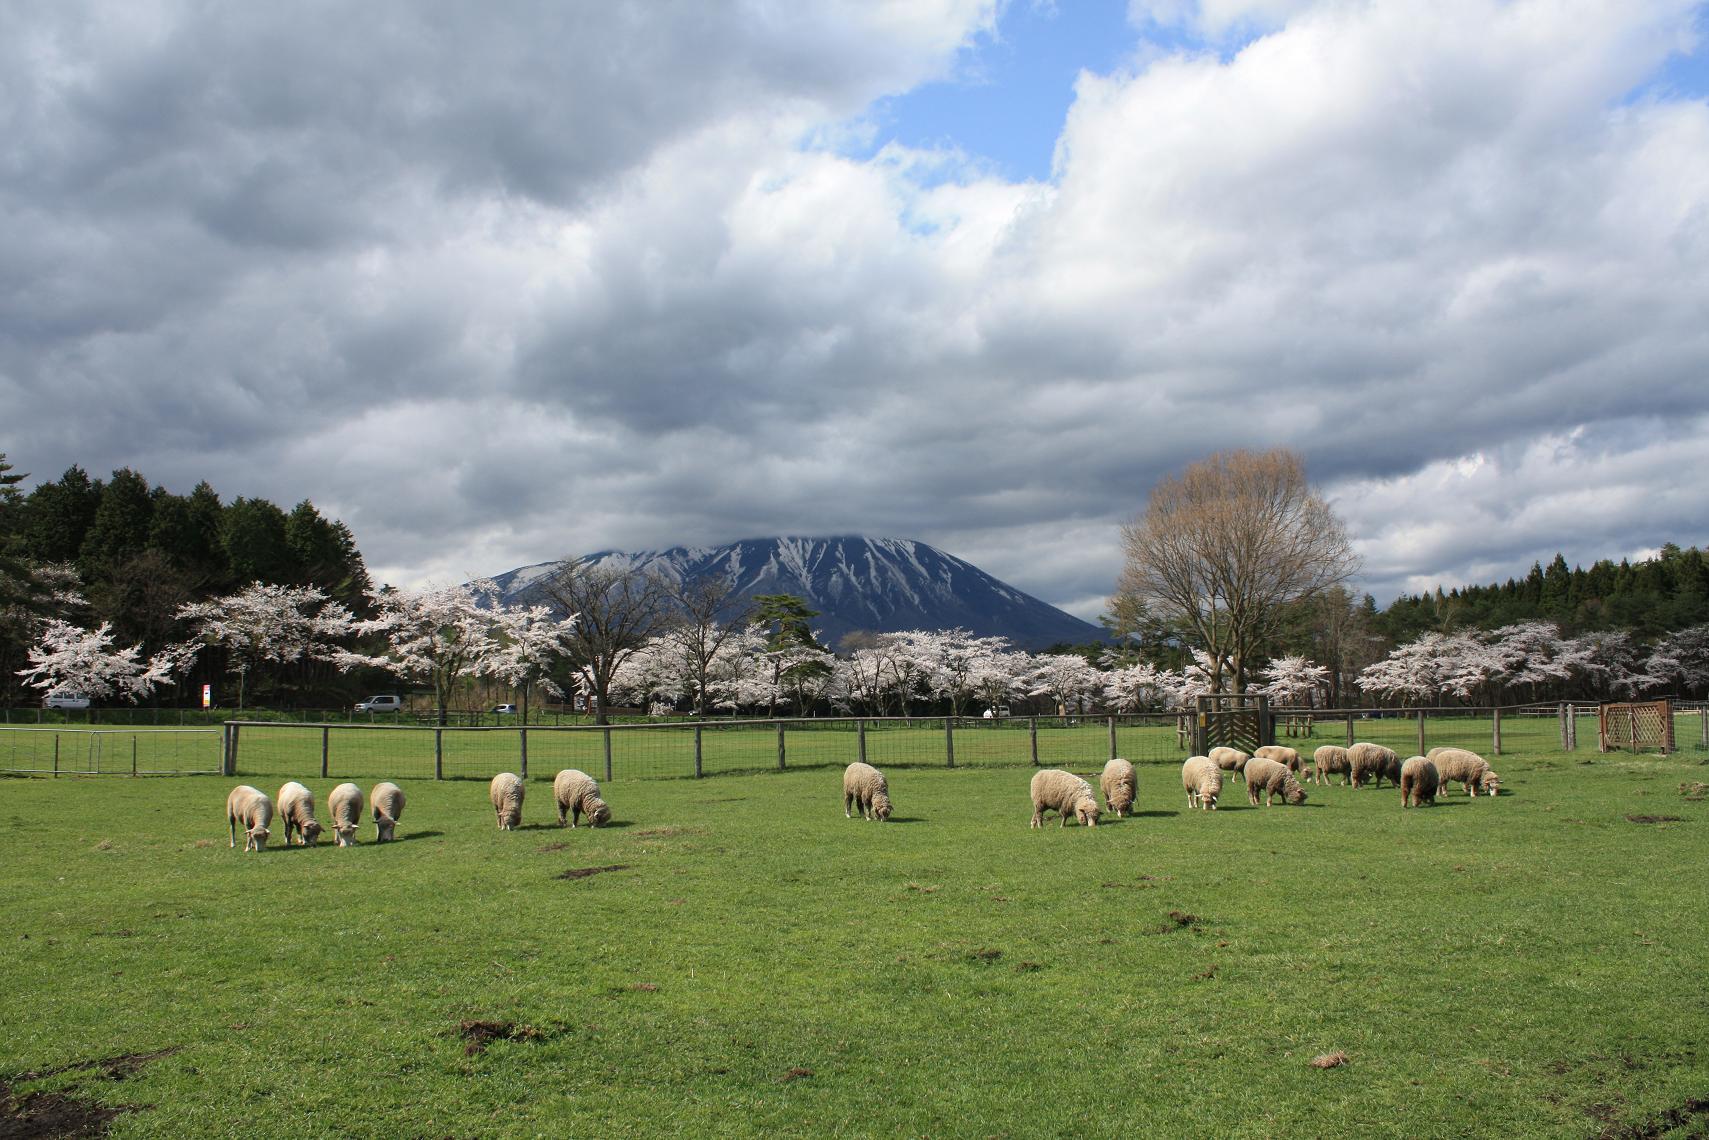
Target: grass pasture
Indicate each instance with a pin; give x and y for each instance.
(733, 957)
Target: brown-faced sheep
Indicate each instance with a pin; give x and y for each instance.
(1271, 776)
(577, 794)
(344, 808)
(865, 789)
(1063, 793)
(1418, 782)
(387, 801)
(1282, 754)
(297, 809)
(506, 792)
(251, 808)
(1203, 781)
(1120, 785)
(1373, 762)
(1229, 759)
(1329, 760)
(1466, 766)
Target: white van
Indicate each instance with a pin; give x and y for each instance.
(385, 702)
(66, 701)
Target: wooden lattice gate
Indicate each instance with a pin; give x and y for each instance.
(1238, 720)
(1641, 726)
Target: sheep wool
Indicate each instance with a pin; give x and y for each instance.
(1120, 785)
(1230, 759)
(251, 808)
(1203, 781)
(1373, 762)
(1282, 754)
(387, 802)
(344, 807)
(1418, 782)
(1466, 766)
(506, 793)
(577, 794)
(1065, 794)
(866, 789)
(297, 809)
(1329, 760)
(1270, 777)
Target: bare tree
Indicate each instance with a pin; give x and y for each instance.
(617, 610)
(707, 614)
(1222, 550)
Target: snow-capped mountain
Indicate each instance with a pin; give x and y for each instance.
(876, 584)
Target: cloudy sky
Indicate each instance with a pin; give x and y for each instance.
(505, 282)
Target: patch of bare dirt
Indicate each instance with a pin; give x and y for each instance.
(64, 1113)
(1329, 1060)
(1693, 1114)
(585, 872)
(477, 1034)
(1655, 819)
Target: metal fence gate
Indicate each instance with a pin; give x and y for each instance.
(1641, 726)
(1237, 720)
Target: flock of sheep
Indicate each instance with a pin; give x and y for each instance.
(1270, 771)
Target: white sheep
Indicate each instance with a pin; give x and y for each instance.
(1120, 785)
(506, 792)
(344, 807)
(250, 807)
(865, 788)
(297, 809)
(1063, 793)
(1328, 760)
(387, 802)
(1373, 762)
(1466, 766)
(1282, 754)
(1203, 781)
(1419, 780)
(1229, 759)
(1269, 777)
(577, 794)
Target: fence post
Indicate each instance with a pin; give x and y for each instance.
(697, 752)
(325, 748)
(1112, 738)
(231, 763)
(1704, 713)
(524, 732)
(949, 740)
(607, 735)
(860, 739)
(1562, 712)
(133, 755)
(1497, 730)
(1032, 732)
(781, 765)
(438, 753)
(1420, 732)
(56, 755)
(1349, 730)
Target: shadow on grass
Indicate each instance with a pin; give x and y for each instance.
(1154, 814)
(554, 825)
(417, 835)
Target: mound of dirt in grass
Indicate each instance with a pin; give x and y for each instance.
(1655, 819)
(476, 1034)
(584, 872)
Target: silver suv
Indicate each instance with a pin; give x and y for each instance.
(386, 702)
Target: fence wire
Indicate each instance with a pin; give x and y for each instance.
(110, 752)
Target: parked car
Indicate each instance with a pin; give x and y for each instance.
(509, 710)
(385, 702)
(66, 701)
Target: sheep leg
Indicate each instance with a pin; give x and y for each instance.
(848, 805)
(232, 820)
(1038, 816)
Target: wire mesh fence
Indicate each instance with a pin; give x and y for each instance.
(59, 751)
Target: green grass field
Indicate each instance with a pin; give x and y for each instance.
(736, 958)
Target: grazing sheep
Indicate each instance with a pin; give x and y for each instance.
(1282, 754)
(506, 793)
(250, 807)
(1373, 762)
(1327, 761)
(1418, 782)
(1064, 793)
(1271, 776)
(387, 800)
(1203, 781)
(297, 809)
(344, 805)
(865, 788)
(577, 794)
(1230, 760)
(1120, 785)
(1466, 766)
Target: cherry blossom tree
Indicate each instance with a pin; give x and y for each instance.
(266, 624)
(1294, 680)
(436, 636)
(1607, 663)
(1140, 686)
(532, 639)
(69, 660)
(1680, 659)
(1067, 678)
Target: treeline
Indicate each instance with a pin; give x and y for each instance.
(131, 554)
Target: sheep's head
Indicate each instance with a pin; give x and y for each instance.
(1292, 792)
(256, 838)
(385, 828)
(346, 833)
(311, 832)
(1207, 798)
(600, 814)
(508, 818)
(1490, 784)
(1086, 812)
(880, 806)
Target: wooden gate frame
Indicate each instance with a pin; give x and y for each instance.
(1639, 725)
(1220, 707)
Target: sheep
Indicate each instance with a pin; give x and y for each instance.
(1418, 782)
(1271, 776)
(1373, 762)
(506, 793)
(1466, 766)
(250, 807)
(1063, 792)
(1328, 760)
(1230, 759)
(577, 794)
(1120, 785)
(344, 805)
(1203, 781)
(1282, 754)
(865, 787)
(387, 800)
(297, 809)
